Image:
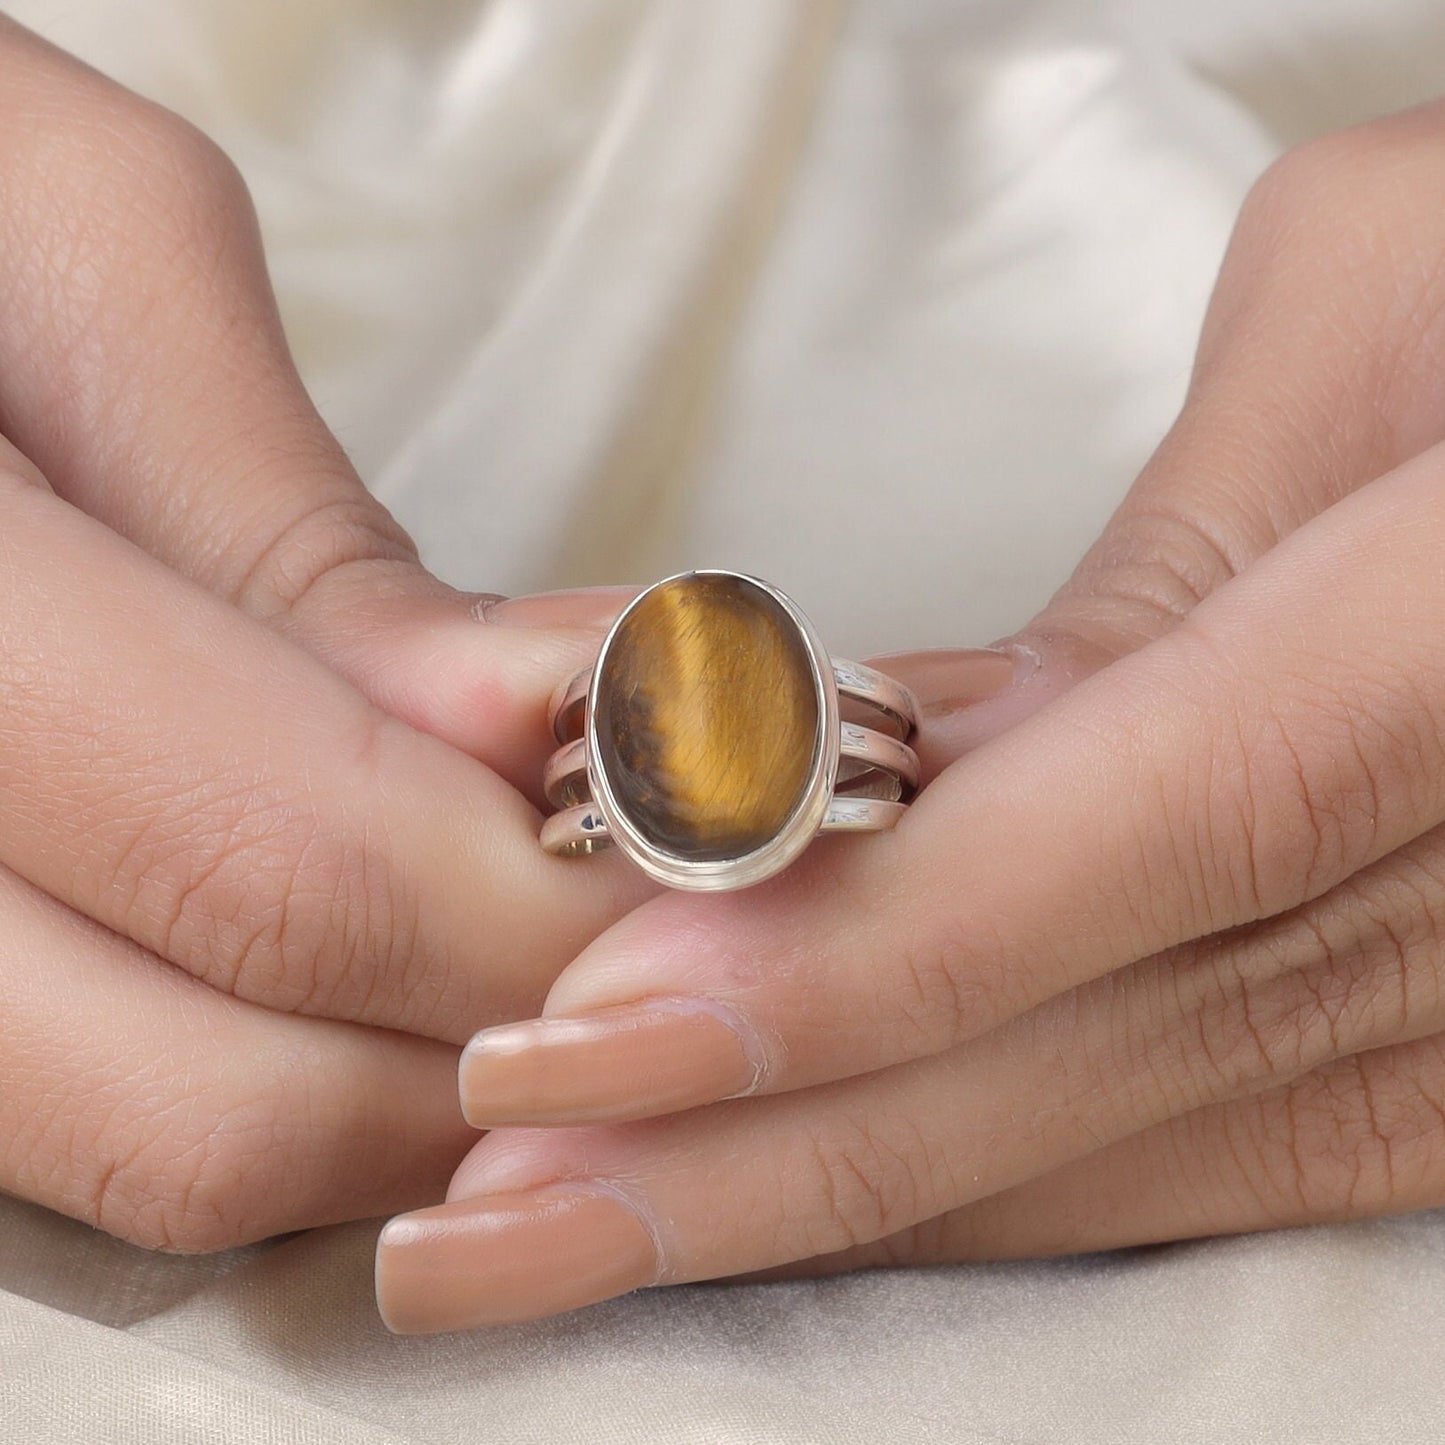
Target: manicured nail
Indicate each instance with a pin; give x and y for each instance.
(628, 1062)
(508, 1258)
(947, 678)
(962, 728)
(576, 607)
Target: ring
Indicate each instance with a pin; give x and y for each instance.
(714, 738)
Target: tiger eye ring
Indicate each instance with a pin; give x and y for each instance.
(714, 738)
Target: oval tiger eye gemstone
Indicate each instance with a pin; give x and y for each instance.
(706, 717)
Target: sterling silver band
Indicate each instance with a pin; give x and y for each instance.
(577, 831)
(714, 737)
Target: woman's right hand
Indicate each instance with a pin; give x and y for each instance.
(1160, 959)
(247, 905)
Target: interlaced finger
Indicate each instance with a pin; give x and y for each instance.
(187, 777)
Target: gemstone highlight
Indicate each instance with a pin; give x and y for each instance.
(707, 720)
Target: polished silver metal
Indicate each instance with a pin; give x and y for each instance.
(861, 777)
(580, 830)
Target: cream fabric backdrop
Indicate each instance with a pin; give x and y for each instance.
(885, 301)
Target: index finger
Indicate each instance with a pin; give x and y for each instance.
(1280, 738)
(195, 782)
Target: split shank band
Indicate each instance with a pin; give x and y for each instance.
(714, 738)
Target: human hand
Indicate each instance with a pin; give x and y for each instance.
(245, 914)
(1162, 958)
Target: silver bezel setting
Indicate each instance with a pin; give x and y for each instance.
(719, 874)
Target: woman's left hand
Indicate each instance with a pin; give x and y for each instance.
(1162, 959)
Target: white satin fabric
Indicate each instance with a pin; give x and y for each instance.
(885, 301)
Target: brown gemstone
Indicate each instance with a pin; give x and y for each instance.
(707, 716)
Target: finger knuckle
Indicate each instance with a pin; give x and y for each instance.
(1278, 821)
(1293, 180)
(1294, 782)
(1271, 795)
(197, 1176)
(1168, 848)
(1321, 782)
(953, 975)
(1339, 1143)
(1355, 969)
(288, 903)
(867, 1184)
(262, 896)
(1232, 1036)
(1170, 557)
(1342, 236)
(1403, 904)
(184, 164)
(1353, 212)
(120, 192)
(1362, 970)
(324, 542)
(930, 1003)
(1265, 1027)
(1335, 185)
(121, 150)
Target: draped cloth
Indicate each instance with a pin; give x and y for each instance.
(885, 301)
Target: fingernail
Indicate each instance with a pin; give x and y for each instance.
(962, 726)
(509, 1258)
(575, 607)
(945, 678)
(632, 1061)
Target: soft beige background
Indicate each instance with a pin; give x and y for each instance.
(885, 301)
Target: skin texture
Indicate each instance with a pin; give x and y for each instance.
(1158, 951)
(262, 861)
(268, 843)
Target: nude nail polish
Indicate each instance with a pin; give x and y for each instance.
(946, 678)
(582, 607)
(509, 1257)
(628, 1062)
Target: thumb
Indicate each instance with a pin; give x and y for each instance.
(1317, 371)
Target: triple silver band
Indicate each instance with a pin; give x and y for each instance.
(731, 648)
